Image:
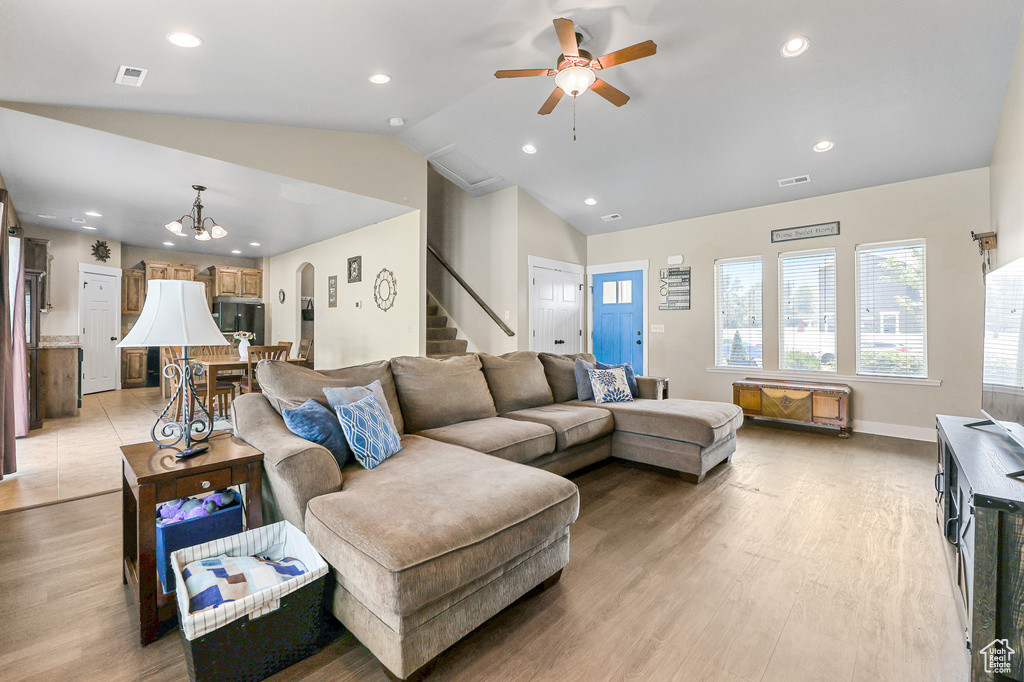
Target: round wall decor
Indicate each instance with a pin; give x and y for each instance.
(280, 295)
(101, 251)
(385, 288)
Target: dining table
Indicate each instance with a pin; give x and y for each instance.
(218, 364)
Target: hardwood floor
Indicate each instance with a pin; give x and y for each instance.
(805, 558)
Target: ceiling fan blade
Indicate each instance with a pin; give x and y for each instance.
(567, 37)
(522, 73)
(552, 100)
(628, 54)
(612, 94)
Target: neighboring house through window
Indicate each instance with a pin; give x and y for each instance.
(807, 310)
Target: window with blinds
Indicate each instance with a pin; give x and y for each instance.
(738, 312)
(1004, 322)
(891, 310)
(807, 310)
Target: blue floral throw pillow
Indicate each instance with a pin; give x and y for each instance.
(630, 375)
(368, 431)
(315, 423)
(610, 385)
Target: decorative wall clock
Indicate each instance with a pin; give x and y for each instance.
(280, 295)
(101, 251)
(385, 288)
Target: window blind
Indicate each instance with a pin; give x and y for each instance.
(1004, 319)
(807, 310)
(891, 310)
(738, 312)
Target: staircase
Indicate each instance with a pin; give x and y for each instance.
(441, 341)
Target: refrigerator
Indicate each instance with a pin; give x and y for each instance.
(236, 314)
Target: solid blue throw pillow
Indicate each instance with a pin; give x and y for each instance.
(630, 376)
(368, 431)
(584, 390)
(315, 423)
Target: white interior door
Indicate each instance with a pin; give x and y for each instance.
(99, 312)
(556, 307)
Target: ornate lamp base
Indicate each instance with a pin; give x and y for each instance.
(196, 425)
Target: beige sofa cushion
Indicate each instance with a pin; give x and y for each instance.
(560, 371)
(516, 380)
(694, 421)
(516, 441)
(573, 424)
(433, 518)
(287, 385)
(436, 393)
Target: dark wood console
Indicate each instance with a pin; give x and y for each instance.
(980, 512)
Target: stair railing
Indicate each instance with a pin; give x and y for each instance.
(469, 290)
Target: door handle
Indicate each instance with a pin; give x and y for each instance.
(638, 342)
(113, 338)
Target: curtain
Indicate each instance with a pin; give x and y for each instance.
(20, 363)
(8, 463)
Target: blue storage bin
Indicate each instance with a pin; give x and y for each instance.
(219, 524)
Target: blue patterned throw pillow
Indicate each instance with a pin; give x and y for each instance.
(368, 431)
(610, 385)
(630, 375)
(315, 423)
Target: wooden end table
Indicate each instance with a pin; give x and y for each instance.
(152, 475)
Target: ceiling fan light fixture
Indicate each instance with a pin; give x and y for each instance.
(795, 46)
(574, 80)
(174, 226)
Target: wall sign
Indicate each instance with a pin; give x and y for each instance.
(674, 290)
(355, 269)
(332, 291)
(789, 234)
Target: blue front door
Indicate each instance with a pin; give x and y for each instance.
(619, 318)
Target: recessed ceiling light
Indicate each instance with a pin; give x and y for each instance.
(94, 214)
(529, 149)
(590, 202)
(795, 46)
(184, 39)
(254, 243)
(380, 78)
(87, 227)
(168, 243)
(235, 251)
(397, 121)
(47, 217)
(823, 146)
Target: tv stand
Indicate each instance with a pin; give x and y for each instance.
(981, 515)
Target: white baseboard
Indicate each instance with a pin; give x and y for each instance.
(895, 430)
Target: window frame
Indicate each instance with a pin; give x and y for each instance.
(871, 246)
(782, 306)
(717, 312)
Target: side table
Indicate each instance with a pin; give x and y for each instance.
(152, 475)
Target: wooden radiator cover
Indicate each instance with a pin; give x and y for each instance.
(800, 402)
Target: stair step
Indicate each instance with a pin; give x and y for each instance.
(436, 321)
(447, 346)
(432, 310)
(442, 334)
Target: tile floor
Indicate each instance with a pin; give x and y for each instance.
(76, 456)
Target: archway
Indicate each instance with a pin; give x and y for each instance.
(306, 301)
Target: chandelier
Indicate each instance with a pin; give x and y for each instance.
(198, 223)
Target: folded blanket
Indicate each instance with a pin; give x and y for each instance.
(212, 582)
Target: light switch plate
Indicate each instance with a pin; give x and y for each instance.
(657, 328)
(359, 304)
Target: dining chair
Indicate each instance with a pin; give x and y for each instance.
(221, 393)
(305, 346)
(288, 345)
(250, 383)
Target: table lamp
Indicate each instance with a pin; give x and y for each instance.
(176, 313)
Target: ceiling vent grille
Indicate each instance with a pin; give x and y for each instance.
(131, 75)
(455, 164)
(610, 217)
(798, 180)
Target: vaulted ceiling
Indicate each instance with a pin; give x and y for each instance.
(717, 116)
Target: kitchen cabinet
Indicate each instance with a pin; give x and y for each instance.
(252, 283)
(238, 282)
(133, 367)
(133, 291)
(162, 270)
(208, 281)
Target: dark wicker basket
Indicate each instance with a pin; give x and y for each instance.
(255, 649)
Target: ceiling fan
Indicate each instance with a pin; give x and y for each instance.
(575, 69)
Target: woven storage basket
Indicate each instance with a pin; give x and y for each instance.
(255, 637)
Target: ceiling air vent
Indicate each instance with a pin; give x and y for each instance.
(455, 164)
(130, 75)
(78, 220)
(798, 180)
(610, 217)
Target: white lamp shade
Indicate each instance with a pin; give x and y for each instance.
(217, 232)
(575, 79)
(175, 314)
(203, 236)
(174, 226)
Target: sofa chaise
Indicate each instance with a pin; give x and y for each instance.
(474, 511)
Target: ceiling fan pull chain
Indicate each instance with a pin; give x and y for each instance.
(574, 118)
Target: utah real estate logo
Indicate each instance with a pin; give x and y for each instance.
(998, 655)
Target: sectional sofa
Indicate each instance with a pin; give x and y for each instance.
(474, 511)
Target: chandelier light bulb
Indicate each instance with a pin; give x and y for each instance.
(575, 79)
(174, 226)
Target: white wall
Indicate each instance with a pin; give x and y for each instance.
(942, 209)
(347, 335)
(1007, 168)
(68, 248)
